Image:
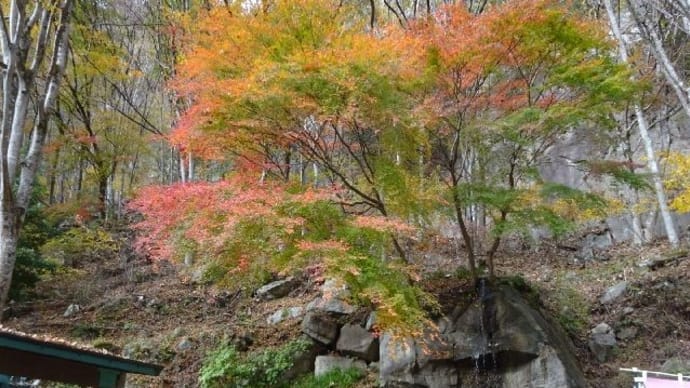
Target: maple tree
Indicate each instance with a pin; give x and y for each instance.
(508, 83)
(450, 115)
(245, 232)
(326, 93)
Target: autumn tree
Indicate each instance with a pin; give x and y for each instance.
(300, 93)
(33, 42)
(450, 114)
(508, 83)
(110, 105)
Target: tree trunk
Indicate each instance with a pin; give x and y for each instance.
(8, 255)
(644, 134)
(24, 40)
(649, 33)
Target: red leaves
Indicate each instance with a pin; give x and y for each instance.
(200, 212)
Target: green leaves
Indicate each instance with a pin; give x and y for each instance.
(226, 367)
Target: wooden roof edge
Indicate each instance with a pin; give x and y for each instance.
(55, 347)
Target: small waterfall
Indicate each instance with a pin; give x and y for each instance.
(486, 362)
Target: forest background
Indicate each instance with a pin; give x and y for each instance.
(262, 138)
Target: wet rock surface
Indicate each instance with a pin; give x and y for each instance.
(498, 340)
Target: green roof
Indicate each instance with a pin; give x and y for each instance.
(27, 355)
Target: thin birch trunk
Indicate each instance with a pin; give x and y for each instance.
(22, 38)
(657, 48)
(644, 134)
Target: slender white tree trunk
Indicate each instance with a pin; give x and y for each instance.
(190, 167)
(645, 25)
(644, 134)
(183, 167)
(26, 35)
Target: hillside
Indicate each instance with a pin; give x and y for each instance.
(156, 311)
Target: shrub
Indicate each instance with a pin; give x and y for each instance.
(572, 309)
(226, 367)
(80, 244)
(30, 264)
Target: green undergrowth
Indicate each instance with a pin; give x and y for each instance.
(572, 309)
(227, 367)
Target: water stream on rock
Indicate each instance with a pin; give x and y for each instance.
(485, 360)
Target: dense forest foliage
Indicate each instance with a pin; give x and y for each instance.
(255, 138)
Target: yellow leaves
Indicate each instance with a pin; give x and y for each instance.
(678, 176)
(678, 180)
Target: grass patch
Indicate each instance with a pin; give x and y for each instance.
(335, 378)
(227, 367)
(571, 308)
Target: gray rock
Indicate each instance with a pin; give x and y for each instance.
(334, 289)
(602, 345)
(397, 359)
(546, 370)
(285, 313)
(585, 254)
(371, 321)
(502, 331)
(628, 311)
(331, 305)
(432, 347)
(613, 293)
(445, 325)
(602, 328)
(469, 340)
(277, 289)
(320, 327)
(507, 333)
(303, 362)
(627, 333)
(185, 344)
(71, 310)
(325, 364)
(357, 342)
(599, 241)
(437, 376)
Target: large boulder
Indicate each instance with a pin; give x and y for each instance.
(325, 364)
(355, 341)
(467, 337)
(331, 305)
(321, 327)
(437, 375)
(432, 347)
(602, 342)
(397, 360)
(333, 299)
(613, 293)
(499, 338)
(285, 313)
(526, 346)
